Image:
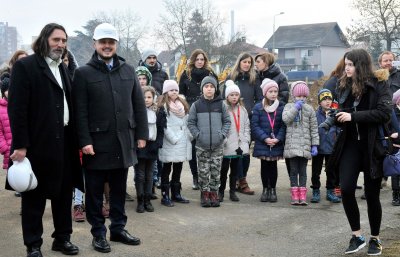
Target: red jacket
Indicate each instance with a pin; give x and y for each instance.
(5, 133)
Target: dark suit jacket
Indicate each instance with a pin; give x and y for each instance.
(36, 111)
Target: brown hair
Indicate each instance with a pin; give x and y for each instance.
(339, 69)
(41, 45)
(153, 92)
(192, 60)
(363, 71)
(236, 68)
(267, 57)
(15, 56)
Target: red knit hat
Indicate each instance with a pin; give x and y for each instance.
(300, 88)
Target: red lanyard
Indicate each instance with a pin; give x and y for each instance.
(272, 122)
(237, 120)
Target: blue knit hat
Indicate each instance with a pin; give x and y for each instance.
(324, 94)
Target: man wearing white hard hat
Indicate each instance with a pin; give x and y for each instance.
(111, 121)
(42, 126)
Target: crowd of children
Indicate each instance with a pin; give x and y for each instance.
(223, 125)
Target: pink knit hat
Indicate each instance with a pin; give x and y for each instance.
(169, 85)
(267, 84)
(300, 88)
(396, 97)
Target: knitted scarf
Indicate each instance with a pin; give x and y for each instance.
(270, 108)
(177, 108)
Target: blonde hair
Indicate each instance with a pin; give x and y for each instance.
(163, 100)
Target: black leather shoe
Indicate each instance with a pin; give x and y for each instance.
(100, 244)
(34, 252)
(125, 238)
(66, 247)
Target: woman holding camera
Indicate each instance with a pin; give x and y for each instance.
(365, 103)
(268, 130)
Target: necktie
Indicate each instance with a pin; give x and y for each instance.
(109, 66)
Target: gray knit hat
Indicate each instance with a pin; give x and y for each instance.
(147, 52)
(209, 79)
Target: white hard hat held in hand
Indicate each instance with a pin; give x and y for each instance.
(21, 177)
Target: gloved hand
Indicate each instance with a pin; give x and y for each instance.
(298, 104)
(324, 125)
(314, 150)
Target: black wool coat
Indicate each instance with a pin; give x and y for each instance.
(110, 113)
(378, 113)
(36, 111)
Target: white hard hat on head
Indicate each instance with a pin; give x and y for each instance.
(21, 177)
(105, 30)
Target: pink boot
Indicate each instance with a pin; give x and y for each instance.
(303, 195)
(295, 195)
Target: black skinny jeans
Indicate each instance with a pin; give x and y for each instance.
(176, 173)
(354, 159)
(316, 167)
(269, 173)
(233, 164)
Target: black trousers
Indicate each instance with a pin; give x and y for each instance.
(144, 176)
(33, 204)
(193, 161)
(269, 173)
(233, 164)
(316, 167)
(354, 159)
(176, 172)
(94, 181)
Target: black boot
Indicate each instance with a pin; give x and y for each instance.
(165, 200)
(233, 196)
(147, 204)
(176, 193)
(221, 196)
(140, 204)
(140, 197)
(153, 193)
(396, 197)
(195, 185)
(264, 196)
(273, 198)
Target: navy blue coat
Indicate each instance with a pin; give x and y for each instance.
(327, 139)
(261, 129)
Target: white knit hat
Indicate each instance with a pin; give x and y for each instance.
(231, 87)
(169, 85)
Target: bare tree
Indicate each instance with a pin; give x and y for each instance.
(175, 27)
(380, 19)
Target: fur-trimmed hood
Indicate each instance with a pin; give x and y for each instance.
(382, 74)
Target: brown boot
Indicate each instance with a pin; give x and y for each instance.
(244, 187)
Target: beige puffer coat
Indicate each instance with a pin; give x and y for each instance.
(302, 134)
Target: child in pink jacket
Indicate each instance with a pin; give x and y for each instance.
(5, 130)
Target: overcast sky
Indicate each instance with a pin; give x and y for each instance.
(253, 16)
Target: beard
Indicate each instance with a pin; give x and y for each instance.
(56, 53)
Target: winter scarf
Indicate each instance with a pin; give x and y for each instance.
(270, 108)
(177, 108)
(152, 119)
